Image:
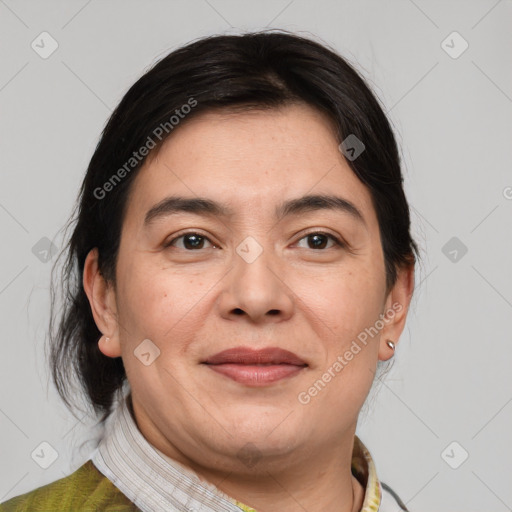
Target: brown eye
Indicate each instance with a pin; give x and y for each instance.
(190, 241)
(320, 240)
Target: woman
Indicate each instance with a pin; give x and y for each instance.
(240, 267)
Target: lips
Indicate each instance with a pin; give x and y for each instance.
(246, 356)
(256, 367)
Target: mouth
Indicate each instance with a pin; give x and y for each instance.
(256, 367)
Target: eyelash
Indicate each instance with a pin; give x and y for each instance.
(335, 239)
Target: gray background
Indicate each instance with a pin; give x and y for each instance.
(452, 377)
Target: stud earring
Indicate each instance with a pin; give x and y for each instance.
(390, 344)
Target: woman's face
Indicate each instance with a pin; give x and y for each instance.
(262, 273)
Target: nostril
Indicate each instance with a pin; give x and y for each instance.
(273, 312)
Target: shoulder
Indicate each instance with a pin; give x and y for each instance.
(84, 490)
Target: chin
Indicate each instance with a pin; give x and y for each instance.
(255, 453)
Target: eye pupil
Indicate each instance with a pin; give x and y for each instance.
(193, 241)
(319, 241)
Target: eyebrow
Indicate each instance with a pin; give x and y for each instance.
(203, 206)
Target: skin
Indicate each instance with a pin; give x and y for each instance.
(194, 302)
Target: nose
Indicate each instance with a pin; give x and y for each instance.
(256, 290)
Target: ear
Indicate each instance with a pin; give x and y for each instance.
(395, 311)
(101, 297)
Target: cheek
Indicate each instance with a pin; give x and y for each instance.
(344, 301)
(159, 303)
(344, 308)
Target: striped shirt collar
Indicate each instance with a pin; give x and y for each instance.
(155, 482)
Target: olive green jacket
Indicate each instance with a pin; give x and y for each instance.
(85, 490)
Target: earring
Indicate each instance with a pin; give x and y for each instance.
(391, 344)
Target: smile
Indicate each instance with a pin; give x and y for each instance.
(256, 367)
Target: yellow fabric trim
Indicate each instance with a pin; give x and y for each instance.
(373, 494)
(244, 507)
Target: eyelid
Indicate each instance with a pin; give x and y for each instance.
(337, 239)
(189, 232)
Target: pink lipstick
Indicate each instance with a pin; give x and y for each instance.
(256, 367)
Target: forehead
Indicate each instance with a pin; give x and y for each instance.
(249, 160)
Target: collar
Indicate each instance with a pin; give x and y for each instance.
(155, 482)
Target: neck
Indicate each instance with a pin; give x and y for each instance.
(314, 485)
(315, 479)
